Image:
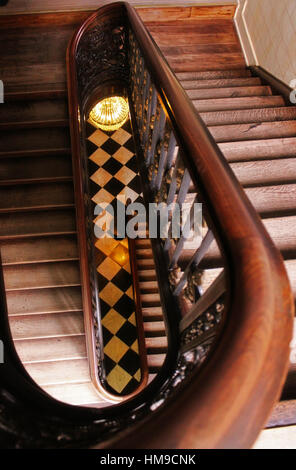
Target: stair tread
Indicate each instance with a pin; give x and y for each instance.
(39, 152)
(34, 111)
(59, 372)
(48, 325)
(220, 83)
(35, 91)
(55, 300)
(155, 360)
(32, 224)
(259, 149)
(55, 166)
(244, 116)
(20, 140)
(273, 200)
(220, 104)
(51, 349)
(252, 131)
(36, 195)
(76, 394)
(38, 250)
(266, 171)
(232, 92)
(41, 275)
(291, 270)
(213, 74)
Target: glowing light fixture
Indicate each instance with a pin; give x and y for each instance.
(110, 113)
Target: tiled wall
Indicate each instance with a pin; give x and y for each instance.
(270, 27)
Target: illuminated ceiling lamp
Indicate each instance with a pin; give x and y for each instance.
(110, 113)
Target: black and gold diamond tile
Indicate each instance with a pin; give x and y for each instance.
(113, 175)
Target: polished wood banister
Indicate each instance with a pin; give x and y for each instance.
(228, 401)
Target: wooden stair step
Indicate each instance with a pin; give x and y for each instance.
(145, 263)
(51, 349)
(56, 300)
(206, 60)
(154, 327)
(143, 243)
(36, 153)
(76, 394)
(259, 149)
(213, 74)
(34, 139)
(18, 170)
(35, 196)
(147, 275)
(148, 286)
(33, 111)
(252, 131)
(155, 361)
(37, 223)
(152, 312)
(251, 102)
(41, 275)
(243, 116)
(291, 270)
(190, 51)
(27, 327)
(233, 92)
(36, 91)
(59, 372)
(39, 250)
(273, 200)
(282, 231)
(159, 343)
(144, 253)
(220, 83)
(265, 172)
(150, 299)
(37, 124)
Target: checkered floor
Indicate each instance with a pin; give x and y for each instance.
(114, 173)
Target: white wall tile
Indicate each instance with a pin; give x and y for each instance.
(271, 25)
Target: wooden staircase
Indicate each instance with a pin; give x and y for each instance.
(256, 132)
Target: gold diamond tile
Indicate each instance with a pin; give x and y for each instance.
(127, 267)
(125, 175)
(113, 321)
(123, 155)
(108, 268)
(138, 375)
(130, 292)
(120, 254)
(106, 245)
(129, 193)
(110, 294)
(118, 378)
(115, 349)
(98, 138)
(124, 242)
(135, 346)
(105, 222)
(99, 157)
(132, 319)
(102, 196)
(121, 136)
(101, 177)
